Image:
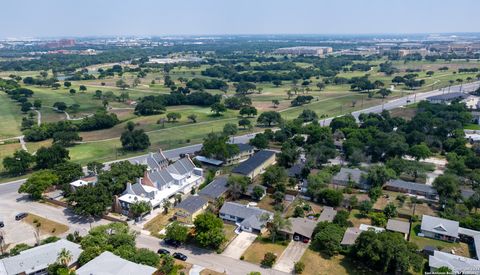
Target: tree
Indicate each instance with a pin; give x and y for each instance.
(37, 104)
(420, 151)
(378, 175)
(230, 129)
(248, 111)
(122, 84)
(48, 158)
(72, 91)
(192, 118)
(378, 219)
(166, 204)
(346, 121)
(133, 140)
(447, 187)
(64, 257)
(321, 86)
(26, 106)
(215, 145)
(60, 106)
(269, 118)
(68, 172)
(137, 209)
(238, 185)
(374, 193)
(66, 138)
(277, 225)
(173, 116)
(275, 103)
(209, 230)
(218, 108)
(177, 232)
(327, 238)
(268, 259)
(19, 163)
(260, 141)
(67, 84)
(342, 218)
(276, 177)
(245, 123)
(56, 85)
(82, 88)
(90, 201)
(330, 197)
(365, 207)
(277, 83)
(38, 183)
(95, 167)
(384, 92)
(167, 265)
(299, 267)
(308, 115)
(390, 210)
(257, 193)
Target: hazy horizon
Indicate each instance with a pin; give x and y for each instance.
(88, 18)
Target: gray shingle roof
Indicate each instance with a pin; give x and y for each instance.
(215, 189)
(38, 258)
(252, 216)
(243, 147)
(109, 264)
(328, 214)
(181, 166)
(351, 234)
(348, 174)
(440, 226)
(457, 264)
(419, 187)
(398, 226)
(302, 226)
(192, 204)
(253, 162)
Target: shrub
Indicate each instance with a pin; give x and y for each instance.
(269, 259)
(299, 267)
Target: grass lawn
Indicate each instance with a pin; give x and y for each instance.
(8, 150)
(356, 218)
(47, 226)
(315, 264)
(210, 272)
(156, 224)
(472, 127)
(229, 230)
(256, 251)
(459, 248)
(11, 117)
(405, 208)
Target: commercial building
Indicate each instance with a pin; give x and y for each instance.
(305, 50)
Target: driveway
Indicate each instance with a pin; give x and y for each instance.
(292, 254)
(241, 243)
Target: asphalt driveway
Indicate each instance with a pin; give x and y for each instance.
(238, 246)
(292, 254)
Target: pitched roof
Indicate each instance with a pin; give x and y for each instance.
(440, 226)
(328, 214)
(349, 174)
(215, 189)
(110, 264)
(181, 166)
(252, 216)
(192, 204)
(211, 161)
(296, 169)
(38, 258)
(253, 162)
(398, 226)
(302, 226)
(367, 227)
(243, 147)
(351, 234)
(397, 183)
(457, 264)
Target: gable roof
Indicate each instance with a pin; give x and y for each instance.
(398, 226)
(253, 162)
(192, 204)
(328, 214)
(110, 264)
(244, 147)
(349, 174)
(215, 189)
(38, 258)
(302, 226)
(419, 187)
(440, 226)
(252, 216)
(351, 234)
(457, 264)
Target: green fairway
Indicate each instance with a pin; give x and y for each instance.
(11, 117)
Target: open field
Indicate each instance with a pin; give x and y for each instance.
(406, 207)
(11, 117)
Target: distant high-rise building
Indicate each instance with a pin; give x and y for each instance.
(305, 50)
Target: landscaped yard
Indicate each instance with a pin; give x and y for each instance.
(315, 264)
(458, 248)
(47, 227)
(356, 218)
(257, 250)
(156, 224)
(405, 208)
(230, 234)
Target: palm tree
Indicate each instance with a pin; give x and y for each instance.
(64, 257)
(278, 224)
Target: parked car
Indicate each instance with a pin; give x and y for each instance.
(163, 251)
(296, 238)
(1, 224)
(180, 256)
(20, 216)
(305, 240)
(173, 243)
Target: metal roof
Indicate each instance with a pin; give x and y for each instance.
(215, 189)
(440, 226)
(457, 264)
(253, 162)
(398, 226)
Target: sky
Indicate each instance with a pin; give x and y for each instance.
(76, 18)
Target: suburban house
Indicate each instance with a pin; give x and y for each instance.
(36, 260)
(438, 228)
(399, 226)
(91, 180)
(190, 207)
(412, 188)
(447, 98)
(161, 181)
(245, 151)
(457, 264)
(108, 263)
(352, 233)
(327, 215)
(348, 176)
(215, 189)
(248, 218)
(301, 229)
(256, 164)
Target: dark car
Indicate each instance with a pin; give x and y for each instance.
(1, 224)
(163, 251)
(180, 256)
(20, 216)
(173, 243)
